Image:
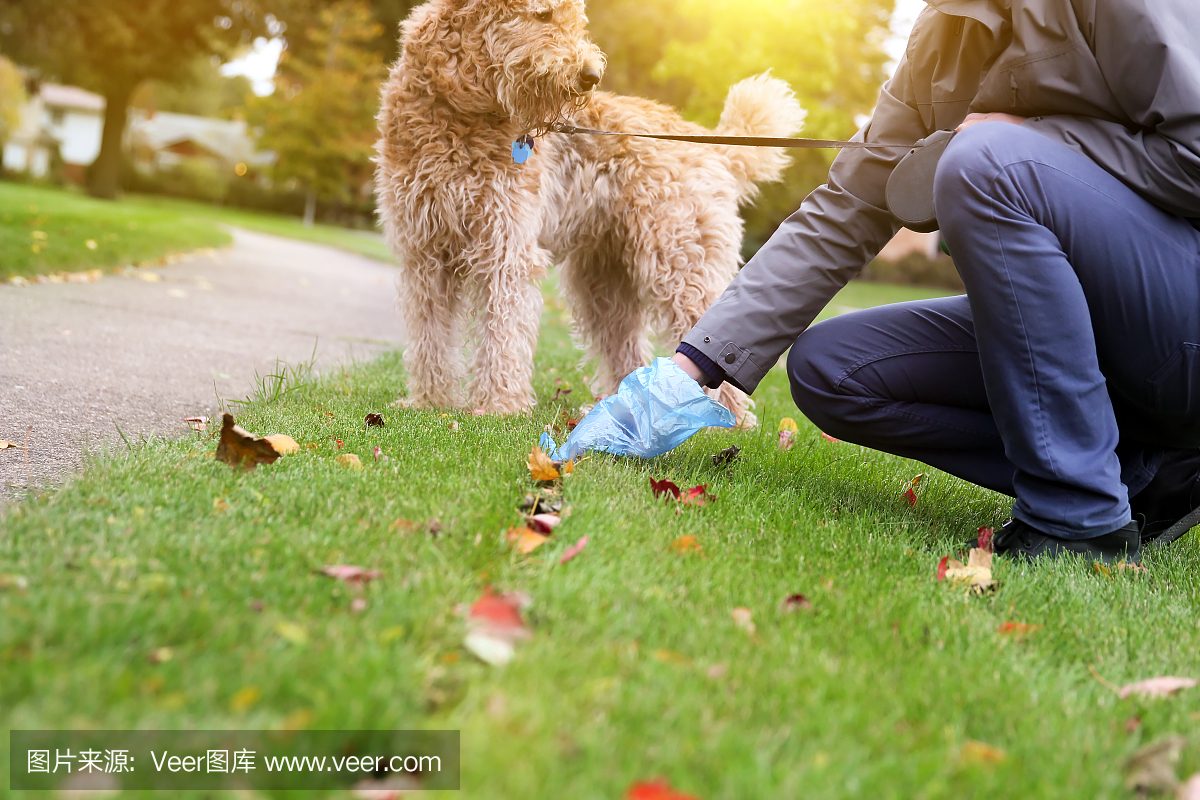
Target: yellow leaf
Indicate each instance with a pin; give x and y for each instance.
(349, 460)
(788, 424)
(568, 467)
(283, 444)
(541, 468)
(244, 699)
(981, 753)
(686, 544)
(296, 634)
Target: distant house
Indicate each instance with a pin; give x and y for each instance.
(159, 140)
(59, 118)
(66, 122)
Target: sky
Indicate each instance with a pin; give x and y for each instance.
(259, 64)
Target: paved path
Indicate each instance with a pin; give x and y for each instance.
(77, 360)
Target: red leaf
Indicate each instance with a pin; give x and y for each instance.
(697, 495)
(543, 523)
(985, 540)
(829, 438)
(573, 550)
(656, 790)
(797, 602)
(503, 610)
(664, 487)
(941, 573)
(350, 573)
(911, 497)
(1016, 628)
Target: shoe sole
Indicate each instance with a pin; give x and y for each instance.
(1177, 530)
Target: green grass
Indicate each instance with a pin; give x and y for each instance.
(366, 243)
(636, 668)
(44, 231)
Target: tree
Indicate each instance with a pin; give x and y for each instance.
(689, 52)
(320, 120)
(12, 97)
(112, 46)
(202, 91)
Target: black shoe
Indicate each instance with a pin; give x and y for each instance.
(1018, 540)
(1170, 504)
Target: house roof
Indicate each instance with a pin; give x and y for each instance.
(226, 139)
(59, 96)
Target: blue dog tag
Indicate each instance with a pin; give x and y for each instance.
(522, 149)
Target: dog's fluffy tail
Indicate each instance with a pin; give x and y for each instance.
(760, 106)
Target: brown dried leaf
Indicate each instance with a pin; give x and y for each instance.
(374, 420)
(1152, 768)
(4, 445)
(524, 540)
(349, 460)
(350, 573)
(541, 468)
(239, 447)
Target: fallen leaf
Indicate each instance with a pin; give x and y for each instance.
(239, 447)
(494, 625)
(573, 550)
(1189, 789)
(796, 602)
(981, 753)
(374, 420)
(743, 618)
(4, 445)
(788, 425)
(377, 452)
(541, 468)
(290, 631)
(568, 467)
(976, 573)
(943, 565)
(686, 544)
(664, 487)
(910, 494)
(984, 541)
(543, 523)
(829, 438)
(1163, 686)
(403, 526)
(524, 540)
(787, 439)
(726, 456)
(452, 425)
(670, 657)
(283, 444)
(351, 574)
(1016, 629)
(220, 504)
(655, 790)
(349, 460)
(697, 496)
(1152, 768)
(197, 424)
(244, 699)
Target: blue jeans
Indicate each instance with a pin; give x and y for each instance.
(1070, 365)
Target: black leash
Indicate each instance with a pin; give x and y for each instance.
(745, 141)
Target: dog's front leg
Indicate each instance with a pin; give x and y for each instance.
(506, 326)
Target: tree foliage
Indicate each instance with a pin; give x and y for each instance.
(112, 46)
(12, 97)
(202, 91)
(320, 120)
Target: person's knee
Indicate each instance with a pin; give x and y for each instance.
(813, 369)
(969, 168)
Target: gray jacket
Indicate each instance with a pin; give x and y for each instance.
(1118, 80)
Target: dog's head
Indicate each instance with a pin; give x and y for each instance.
(532, 60)
(547, 64)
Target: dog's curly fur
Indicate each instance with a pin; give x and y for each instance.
(647, 232)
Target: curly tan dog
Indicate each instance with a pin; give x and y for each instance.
(647, 232)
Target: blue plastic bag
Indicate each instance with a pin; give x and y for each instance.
(656, 409)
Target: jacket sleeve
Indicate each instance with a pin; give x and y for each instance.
(1149, 55)
(836, 231)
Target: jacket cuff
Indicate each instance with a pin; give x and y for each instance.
(730, 359)
(715, 375)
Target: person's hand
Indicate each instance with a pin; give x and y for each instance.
(656, 409)
(995, 116)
